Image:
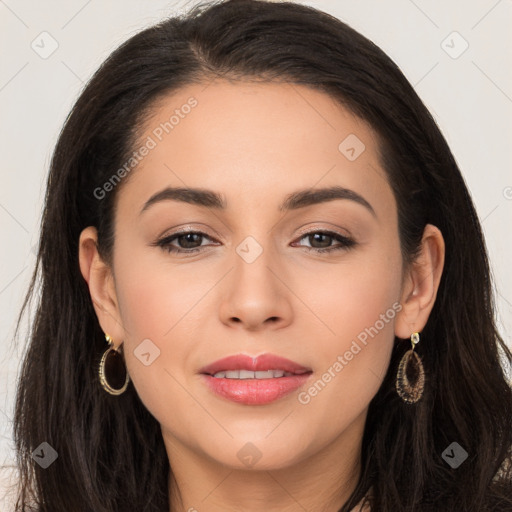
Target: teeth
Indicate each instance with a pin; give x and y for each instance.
(246, 374)
(269, 374)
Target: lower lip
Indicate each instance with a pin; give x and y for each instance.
(255, 391)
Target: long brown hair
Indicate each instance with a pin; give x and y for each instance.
(111, 456)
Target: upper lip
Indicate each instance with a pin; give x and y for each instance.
(262, 362)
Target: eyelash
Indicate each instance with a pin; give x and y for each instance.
(165, 243)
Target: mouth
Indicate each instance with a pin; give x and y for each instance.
(254, 380)
(248, 374)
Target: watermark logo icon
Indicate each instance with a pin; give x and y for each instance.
(44, 45)
(249, 249)
(454, 455)
(351, 147)
(146, 352)
(44, 455)
(454, 45)
(249, 454)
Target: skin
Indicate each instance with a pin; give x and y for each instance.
(255, 144)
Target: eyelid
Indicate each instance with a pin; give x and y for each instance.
(314, 229)
(190, 228)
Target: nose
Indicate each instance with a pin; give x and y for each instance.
(255, 294)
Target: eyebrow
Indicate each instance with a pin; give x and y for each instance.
(294, 201)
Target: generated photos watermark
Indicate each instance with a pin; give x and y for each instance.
(304, 397)
(151, 142)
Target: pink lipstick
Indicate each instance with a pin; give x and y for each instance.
(254, 380)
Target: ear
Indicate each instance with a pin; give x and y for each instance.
(100, 280)
(420, 284)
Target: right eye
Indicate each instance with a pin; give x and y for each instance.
(187, 241)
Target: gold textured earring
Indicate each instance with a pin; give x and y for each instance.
(112, 364)
(410, 378)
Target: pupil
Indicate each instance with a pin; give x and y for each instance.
(187, 237)
(321, 235)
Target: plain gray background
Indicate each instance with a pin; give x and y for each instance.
(468, 90)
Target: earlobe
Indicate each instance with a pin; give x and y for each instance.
(99, 278)
(421, 284)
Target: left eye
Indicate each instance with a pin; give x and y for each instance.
(324, 237)
(189, 239)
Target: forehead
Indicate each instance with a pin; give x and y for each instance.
(254, 141)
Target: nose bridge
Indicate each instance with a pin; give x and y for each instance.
(255, 255)
(255, 292)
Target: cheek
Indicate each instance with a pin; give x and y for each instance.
(354, 294)
(153, 298)
(156, 306)
(359, 307)
(358, 302)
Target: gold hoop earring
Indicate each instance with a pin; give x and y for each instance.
(113, 364)
(410, 378)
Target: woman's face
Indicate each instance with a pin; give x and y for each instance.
(252, 282)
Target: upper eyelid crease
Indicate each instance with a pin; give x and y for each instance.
(294, 201)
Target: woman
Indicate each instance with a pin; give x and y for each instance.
(264, 286)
